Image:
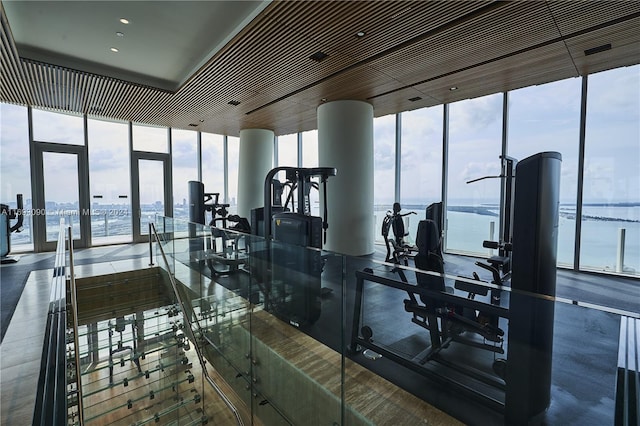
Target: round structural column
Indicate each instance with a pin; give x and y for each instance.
(345, 141)
(256, 159)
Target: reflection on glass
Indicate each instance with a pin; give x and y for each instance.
(61, 193)
(384, 166)
(475, 140)
(184, 154)
(151, 180)
(547, 118)
(610, 237)
(421, 163)
(150, 139)
(251, 329)
(109, 179)
(15, 177)
(56, 127)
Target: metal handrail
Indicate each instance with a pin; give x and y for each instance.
(74, 312)
(189, 329)
(51, 406)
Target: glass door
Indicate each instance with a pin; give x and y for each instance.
(151, 191)
(61, 193)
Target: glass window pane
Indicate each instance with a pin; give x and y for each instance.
(611, 197)
(233, 152)
(151, 181)
(61, 194)
(547, 118)
(310, 148)
(150, 139)
(15, 177)
(384, 165)
(421, 163)
(213, 163)
(288, 150)
(55, 127)
(184, 154)
(310, 159)
(475, 141)
(110, 182)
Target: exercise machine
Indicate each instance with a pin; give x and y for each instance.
(500, 265)
(520, 386)
(398, 250)
(6, 215)
(287, 261)
(223, 251)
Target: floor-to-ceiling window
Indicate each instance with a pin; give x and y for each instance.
(384, 166)
(547, 118)
(15, 164)
(233, 158)
(420, 163)
(213, 164)
(110, 184)
(475, 145)
(288, 150)
(611, 194)
(310, 159)
(62, 184)
(184, 159)
(151, 177)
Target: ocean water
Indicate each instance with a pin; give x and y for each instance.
(466, 230)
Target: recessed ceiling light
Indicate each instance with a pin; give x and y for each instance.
(453, 88)
(114, 49)
(234, 103)
(201, 120)
(414, 99)
(124, 21)
(119, 34)
(323, 100)
(360, 34)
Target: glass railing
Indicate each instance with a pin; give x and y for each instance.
(304, 336)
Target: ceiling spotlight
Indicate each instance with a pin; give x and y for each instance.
(114, 49)
(124, 21)
(360, 34)
(414, 99)
(323, 100)
(201, 120)
(453, 88)
(119, 34)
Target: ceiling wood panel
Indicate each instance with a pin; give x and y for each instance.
(412, 48)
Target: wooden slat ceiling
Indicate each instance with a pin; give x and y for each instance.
(411, 49)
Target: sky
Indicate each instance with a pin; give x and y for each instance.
(541, 118)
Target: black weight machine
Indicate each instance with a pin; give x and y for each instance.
(287, 261)
(521, 387)
(223, 251)
(6, 215)
(500, 265)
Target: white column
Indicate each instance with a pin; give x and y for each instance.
(345, 141)
(256, 159)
